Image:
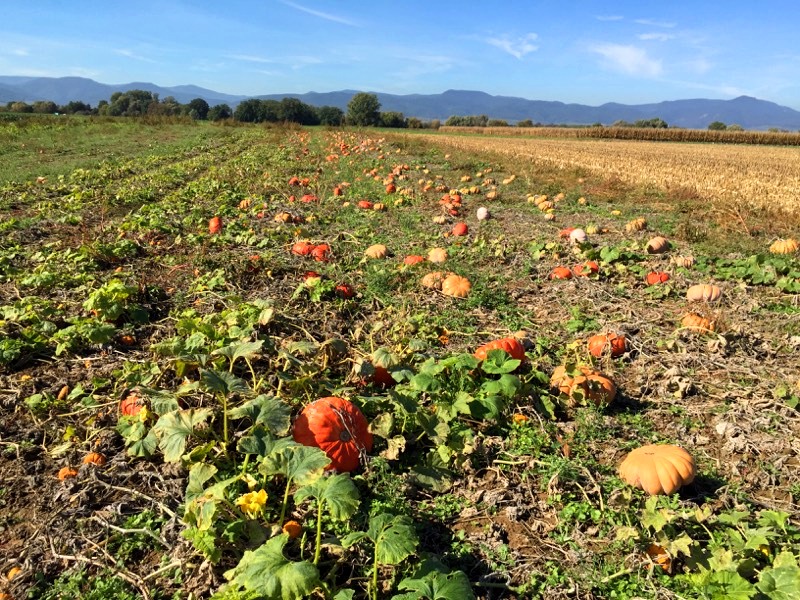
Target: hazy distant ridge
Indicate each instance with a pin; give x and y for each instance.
(750, 113)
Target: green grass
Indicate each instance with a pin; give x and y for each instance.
(53, 146)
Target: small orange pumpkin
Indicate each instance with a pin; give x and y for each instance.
(434, 280)
(321, 252)
(635, 225)
(560, 273)
(94, 458)
(511, 345)
(703, 293)
(65, 473)
(585, 269)
(376, 251)
(585, 384)
(697, 323)
(787, 246)
(456, 286)
(612, 343)
(293, 529)
(658, 468)
(131, 404)
(657, 245)
(656, 277)
(214, 225)
(437, 255)
(337, 427)
(302, 248)
(365, 204)
(460, 229)
(413, 259)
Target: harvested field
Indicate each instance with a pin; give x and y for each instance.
(764, 178)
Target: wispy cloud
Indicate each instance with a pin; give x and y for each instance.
(654, 23)
(131, 54)
(609, 17)
(658, 37)
(518, 47)
(250, 58)
(628, 59)
(20, 52)
(321, 15)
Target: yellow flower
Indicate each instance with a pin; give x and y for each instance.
(252, 503)
(251, 481)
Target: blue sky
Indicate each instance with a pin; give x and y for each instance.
(583, 51)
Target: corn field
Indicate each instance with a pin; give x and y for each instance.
(755, 177)
(773, 138)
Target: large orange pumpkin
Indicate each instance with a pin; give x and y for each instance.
(510, 345)
(337, 427)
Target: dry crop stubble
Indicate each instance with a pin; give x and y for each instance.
(736, 177)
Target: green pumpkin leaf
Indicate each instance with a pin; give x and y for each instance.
(499, 361)
(222, 382)
(173, 428)
(337, 492)
(268, 411)
(394, 537)
(238, 350)
(301, 464)
(436, 585)
(267, 572)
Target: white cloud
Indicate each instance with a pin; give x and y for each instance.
(131, 54)
(321, 15)
(654, 23)
(658, 37)
(249, 58)
(515, 47)
(629, 59)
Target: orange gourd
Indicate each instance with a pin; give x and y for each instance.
(560, 273)
(460, 229)
(214, 225)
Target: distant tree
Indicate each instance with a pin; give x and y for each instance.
(198, 109)
(467, 121)
(651, 123)
(621, 123)
(735, 127)
(219, 112)
(330, 115)
(20, 107)
(296, 111)
(717, 126)
(363, 110)
(393, 119)
(433, 124)
(248, 111)
(45, 107)
(131, 103)
(168, 106)
(76, 107)
(497, 123)
(525, 123)
(414, 123)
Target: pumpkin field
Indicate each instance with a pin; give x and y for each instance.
(249, 362)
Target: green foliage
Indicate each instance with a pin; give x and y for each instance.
(363, 110)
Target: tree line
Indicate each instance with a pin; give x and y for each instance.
(362, 110)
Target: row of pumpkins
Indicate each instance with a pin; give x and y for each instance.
(339, 428)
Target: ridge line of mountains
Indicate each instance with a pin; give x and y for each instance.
(750, 113)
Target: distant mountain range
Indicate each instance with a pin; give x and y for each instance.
(750, 113)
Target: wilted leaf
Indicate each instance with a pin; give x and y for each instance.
(173, 428)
